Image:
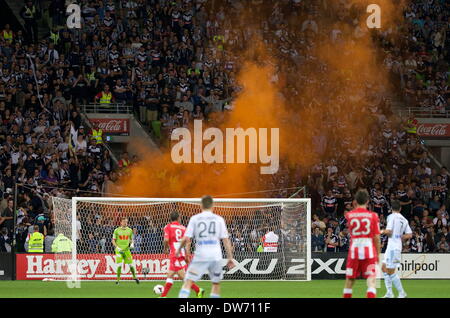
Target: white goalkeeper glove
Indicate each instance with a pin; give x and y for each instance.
(132, 245)
(119, 249)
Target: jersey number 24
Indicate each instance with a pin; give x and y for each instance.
(203, 227)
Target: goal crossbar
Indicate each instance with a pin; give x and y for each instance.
(120, 199)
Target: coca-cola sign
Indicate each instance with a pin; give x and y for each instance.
(433, 130)
(113, 126)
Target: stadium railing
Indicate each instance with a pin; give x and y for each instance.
(423, 112)
(112, 108)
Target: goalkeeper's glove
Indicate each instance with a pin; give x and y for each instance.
(132, 245)
(119, 249)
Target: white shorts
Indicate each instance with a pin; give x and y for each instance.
(197, 269)
(392, 258)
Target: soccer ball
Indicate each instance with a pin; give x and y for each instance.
(158, 289)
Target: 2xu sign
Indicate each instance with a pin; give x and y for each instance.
(103, 266)
(433, 130)
(113, 126)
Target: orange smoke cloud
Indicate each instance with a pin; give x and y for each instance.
(259, 104)
(255, 107)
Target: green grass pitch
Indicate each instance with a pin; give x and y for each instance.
(230, 289)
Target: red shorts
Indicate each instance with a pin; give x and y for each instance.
(177, 264)
(360, 267)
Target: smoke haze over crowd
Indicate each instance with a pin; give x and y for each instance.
(332, 79)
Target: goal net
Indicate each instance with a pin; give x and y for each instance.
(270, 237)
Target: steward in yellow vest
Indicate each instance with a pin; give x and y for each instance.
(54, 37)
(61, 244)
(124, 163)
(411, 126)
(219, 40)
(105, 96)
(30, 16)
(36, 241)
(7, 34)
(196, 71)
(260, 249)
(91, 76)
(97, 134)
(29, 11)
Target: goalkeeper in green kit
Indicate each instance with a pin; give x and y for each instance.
(123, 242)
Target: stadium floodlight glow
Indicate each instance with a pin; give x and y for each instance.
(284, 254)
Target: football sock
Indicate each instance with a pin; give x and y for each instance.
(195, 288)
(119, 271)
(214, 295)
(133, 271)
(167, 286)
(388, 282)
(371, 293)
(397, 283)
(348, 293)
(184, 293)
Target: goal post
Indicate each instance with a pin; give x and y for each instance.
(271, 237)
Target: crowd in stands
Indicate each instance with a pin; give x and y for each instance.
(174, 62)
(421, 58)
(395, 165)
(46, 148)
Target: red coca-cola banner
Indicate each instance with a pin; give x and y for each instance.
(433, 130)
(113, 126)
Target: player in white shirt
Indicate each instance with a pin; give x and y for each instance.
(270, 241)
(208, 229)
(398, 230)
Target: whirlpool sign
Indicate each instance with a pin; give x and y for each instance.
(413, 266)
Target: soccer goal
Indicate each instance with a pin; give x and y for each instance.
(271, 237)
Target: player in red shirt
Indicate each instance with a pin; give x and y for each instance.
(364, 250)
(173, 233)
